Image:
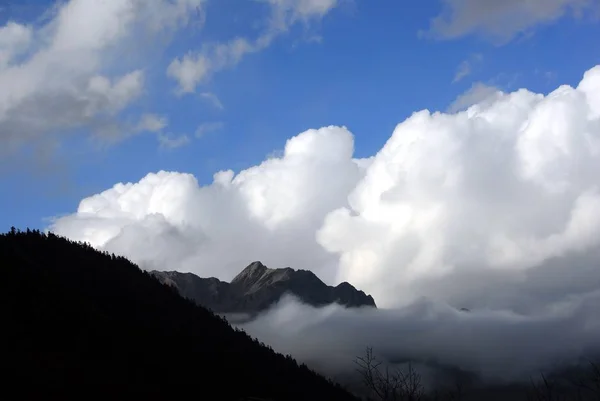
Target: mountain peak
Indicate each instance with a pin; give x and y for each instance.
(257, 277)
(251, 274)
(257, 265)
(254, 268)
(257, 287)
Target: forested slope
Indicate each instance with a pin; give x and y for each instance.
(85, 324)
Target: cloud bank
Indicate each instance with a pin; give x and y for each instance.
(499, 346)
(497, 190)
(495, 208)
(270, 212)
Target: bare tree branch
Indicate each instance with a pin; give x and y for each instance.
(389, 385)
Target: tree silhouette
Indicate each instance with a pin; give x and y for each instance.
(387, 384)
(579, 383)
(84, 324)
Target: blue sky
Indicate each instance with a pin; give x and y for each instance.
(369, 70)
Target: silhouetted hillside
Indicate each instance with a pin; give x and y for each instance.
(257, 287)
(84, 324)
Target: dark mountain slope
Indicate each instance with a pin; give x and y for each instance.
(87, 325)
(257, 287)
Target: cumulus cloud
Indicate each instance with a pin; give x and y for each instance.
(196, 67)
(495, 208)
(498, 189)
(268, 212)
(67, 72)
(501, 20)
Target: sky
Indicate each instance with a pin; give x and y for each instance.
(435, 154)
(366, 65)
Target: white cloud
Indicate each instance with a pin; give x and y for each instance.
(190, 70)
(113, 97)
(206, 128)
(275, 205)
(14, 39)
(504, 186)
(54, 75)
(495, 209)
(501, 20)
(195, 67)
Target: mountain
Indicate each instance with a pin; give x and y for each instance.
(82, 324)
(257, 287)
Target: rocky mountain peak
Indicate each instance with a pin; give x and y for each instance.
(257, 287)
(345, 285)
(253, 272)
(257, 276)
(352, 296)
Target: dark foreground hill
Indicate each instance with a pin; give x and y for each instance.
(81, 324)
(257, 287)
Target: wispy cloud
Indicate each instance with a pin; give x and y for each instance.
(479, 92)
(465, 68)
(212, 99)
(197, 66)
(172, 142)
(206, 128)
(549, 76)
(498, 20)
(151, 123)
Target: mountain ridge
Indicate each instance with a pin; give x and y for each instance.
(258, 287)
(85, 324)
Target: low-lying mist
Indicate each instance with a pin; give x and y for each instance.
(497, 346)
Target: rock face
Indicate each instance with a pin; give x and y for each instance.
(257, 287)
